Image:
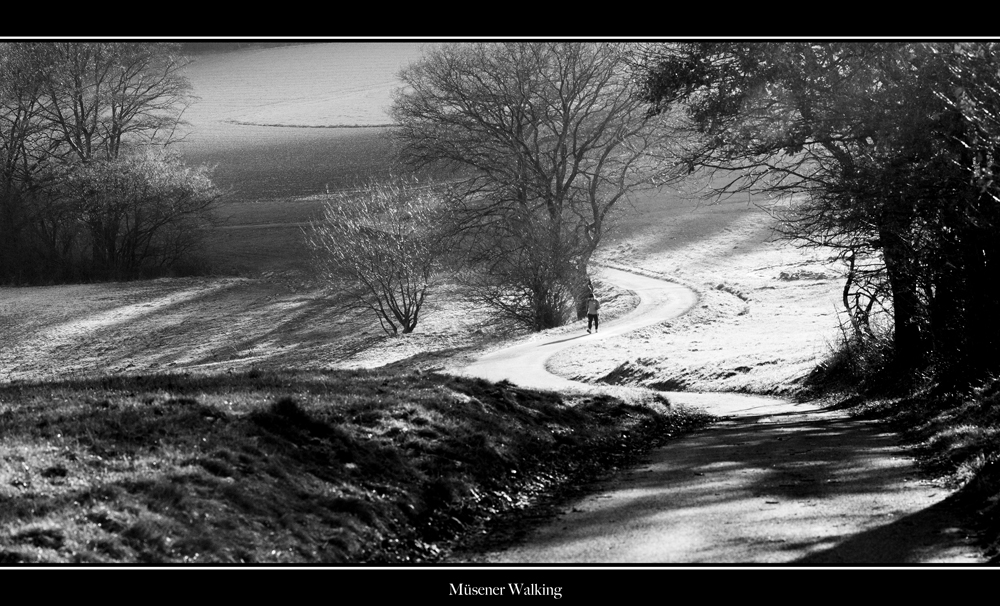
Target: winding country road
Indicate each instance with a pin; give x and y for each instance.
(772, 482)
(524, 364)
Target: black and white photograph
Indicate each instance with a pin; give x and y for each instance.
(481, 308)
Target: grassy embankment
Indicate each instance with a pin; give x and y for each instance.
(261, 467)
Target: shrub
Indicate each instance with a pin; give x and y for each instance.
(378, 247)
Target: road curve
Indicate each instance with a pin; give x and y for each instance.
(524, 364)
(772, 482)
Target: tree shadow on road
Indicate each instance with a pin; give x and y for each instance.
(793, 486)
(934, 534)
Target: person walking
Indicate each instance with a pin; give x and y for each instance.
(593, 309)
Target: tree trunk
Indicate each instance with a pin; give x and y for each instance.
(909, 343)
(981, 325)
(581, 285)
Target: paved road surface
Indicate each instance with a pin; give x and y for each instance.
(773, 482)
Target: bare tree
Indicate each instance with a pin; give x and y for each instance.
(99, 96)
(377, 248)
(547, 138)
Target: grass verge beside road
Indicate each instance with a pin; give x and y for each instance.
(304, 467)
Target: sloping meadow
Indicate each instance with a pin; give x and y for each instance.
(268, 467)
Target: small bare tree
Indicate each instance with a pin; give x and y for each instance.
(377, 247)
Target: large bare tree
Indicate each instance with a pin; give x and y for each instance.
(546, 139)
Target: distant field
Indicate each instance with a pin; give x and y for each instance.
(317, 85)
(282, 126)
(290, 121)
(271, 163)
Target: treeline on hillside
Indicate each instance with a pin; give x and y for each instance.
(893, 148)
(88, 189)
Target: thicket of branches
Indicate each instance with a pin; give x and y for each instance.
(892, 147)
(377, 248)
(87, 187)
